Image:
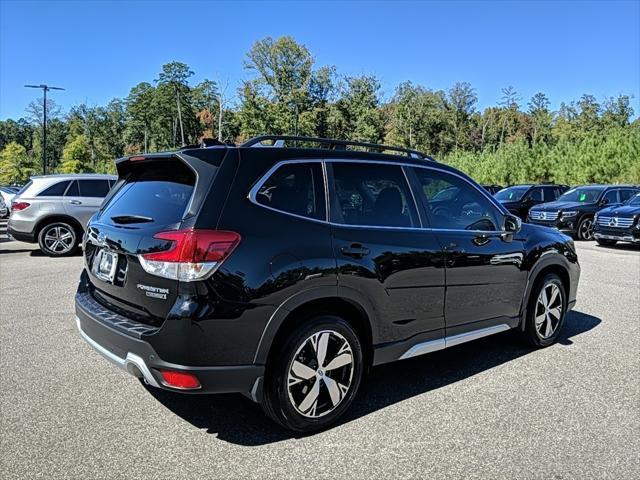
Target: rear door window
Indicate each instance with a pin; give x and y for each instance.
(374, 195)
(94, 188)
(55, 190)
(296, 188)
(73, 190)
(158, 192)
(626, 194)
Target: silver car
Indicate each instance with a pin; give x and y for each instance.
(53, 210)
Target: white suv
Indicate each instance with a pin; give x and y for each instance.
(53, 210)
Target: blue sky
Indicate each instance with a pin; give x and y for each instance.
(99, 50)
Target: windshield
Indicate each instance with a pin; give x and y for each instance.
(511, 194)
(581, 194)
(634, 201)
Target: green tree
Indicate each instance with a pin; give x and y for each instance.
(15, 165)
(76, 157)
(175, 78)
(357, 114)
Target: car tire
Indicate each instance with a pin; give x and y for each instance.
(606, 243)
(58, 239)
(546, 311)
(313, 377)
(585, 229)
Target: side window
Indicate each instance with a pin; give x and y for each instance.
(535, 194)
(296, 188)
(372, 194)
(73, 190)
(550, 193)
(55, 190)
(94, 188)
(611, 196)
(627, 194)
(468, 210)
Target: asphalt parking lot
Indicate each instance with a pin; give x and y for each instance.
(488, 409)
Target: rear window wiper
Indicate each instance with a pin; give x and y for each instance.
(125, 219)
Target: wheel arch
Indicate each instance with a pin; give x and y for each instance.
(43, 222)
(321, 301)
(553, 264)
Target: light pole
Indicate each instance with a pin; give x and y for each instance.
(45, 89)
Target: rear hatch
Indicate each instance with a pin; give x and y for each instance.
(153, 194)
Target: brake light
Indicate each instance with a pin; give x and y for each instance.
(182, 380)
(193, 254)
(17, 206)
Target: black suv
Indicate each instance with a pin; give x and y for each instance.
(618, 223)
(285, 273)
(518, 199)
(574, 211)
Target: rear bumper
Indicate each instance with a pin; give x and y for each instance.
(28, 237)
(137, 357)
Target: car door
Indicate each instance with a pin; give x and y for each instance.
(382, 253)
(84, 197)
(610, 197)
(485, 279)
(531, 199)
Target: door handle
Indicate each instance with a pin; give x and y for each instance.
(355, 250)
(75, 202)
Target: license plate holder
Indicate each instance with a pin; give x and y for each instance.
(105, 265)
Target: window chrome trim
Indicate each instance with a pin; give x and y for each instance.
(251, 196)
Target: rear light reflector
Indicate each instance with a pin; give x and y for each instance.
(192, 254)
(17, 206)
(181, 380)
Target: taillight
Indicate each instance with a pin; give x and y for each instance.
(17, 206)
(181, 380)
(193, 254)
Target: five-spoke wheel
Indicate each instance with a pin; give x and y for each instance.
(585, 229)
(546, 310)
(315, 375)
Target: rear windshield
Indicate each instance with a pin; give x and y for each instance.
(156, 192)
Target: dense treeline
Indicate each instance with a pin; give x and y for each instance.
(514, 141)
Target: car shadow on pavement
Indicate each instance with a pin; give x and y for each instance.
(236, 419)
(630, 247)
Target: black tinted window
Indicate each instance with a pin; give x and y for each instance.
(611, 196)
(535, 194)
(55, 190)
(159, 191)
(469, 209)
(627, 194)
(296, 188)
(550, 193)
(94, 188)
(73, 190)
(372, 194)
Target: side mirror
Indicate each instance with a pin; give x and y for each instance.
(604, 202)
(512, 224)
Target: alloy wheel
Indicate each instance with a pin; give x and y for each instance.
(548, 310)
(59, 239)
(586, 229)
(320, 374)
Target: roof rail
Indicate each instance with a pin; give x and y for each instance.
(280, 141)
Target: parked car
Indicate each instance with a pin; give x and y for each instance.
(492, 189)
(4, 211)
(573, 212)
(285, 273)
(53, 210)
(7, 194)
(518, 199)
(618, 223)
